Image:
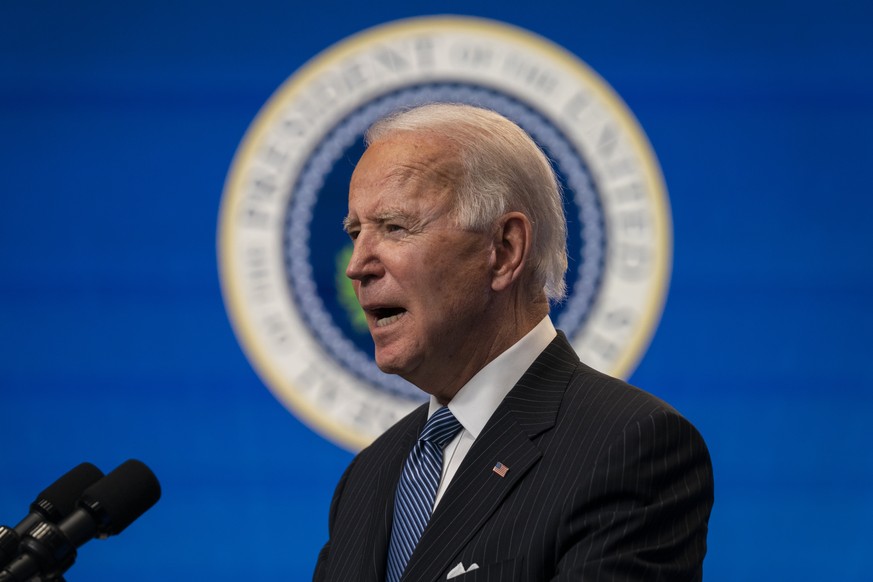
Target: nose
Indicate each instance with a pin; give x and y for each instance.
(364, 264)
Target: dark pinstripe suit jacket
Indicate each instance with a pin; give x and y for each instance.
(605, 482)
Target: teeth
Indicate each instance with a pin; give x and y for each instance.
(389, 320)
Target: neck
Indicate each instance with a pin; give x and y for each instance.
(508, 331)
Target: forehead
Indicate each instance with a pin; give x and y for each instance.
(413, 162)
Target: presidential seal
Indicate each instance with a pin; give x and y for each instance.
(283, 253)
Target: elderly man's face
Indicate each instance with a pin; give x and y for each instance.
(423, 282)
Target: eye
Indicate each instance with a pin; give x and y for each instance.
(394, 228)
(353, 234)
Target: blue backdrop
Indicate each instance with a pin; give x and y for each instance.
(118, 122)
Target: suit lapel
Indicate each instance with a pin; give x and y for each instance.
(473, 496)
(476, 491)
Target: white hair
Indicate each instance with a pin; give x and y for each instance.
(503, 171)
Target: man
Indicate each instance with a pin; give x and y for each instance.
(543, 469)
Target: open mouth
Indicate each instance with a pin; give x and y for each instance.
(387, 315)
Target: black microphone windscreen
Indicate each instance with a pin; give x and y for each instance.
(121, 497)
(58, 500)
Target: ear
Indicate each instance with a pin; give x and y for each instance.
(513, 237)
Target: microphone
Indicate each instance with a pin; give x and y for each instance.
(56, 502)
(105, 508)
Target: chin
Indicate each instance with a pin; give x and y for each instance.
(397, 364)
(388, 365)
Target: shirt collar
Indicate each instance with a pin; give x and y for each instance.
(477, 400)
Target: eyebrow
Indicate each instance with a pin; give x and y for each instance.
(381, 218)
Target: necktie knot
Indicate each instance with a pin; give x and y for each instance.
(440, 428)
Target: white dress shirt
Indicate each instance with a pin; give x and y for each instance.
(477, 400)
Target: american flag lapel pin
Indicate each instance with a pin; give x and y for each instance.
(500, 469)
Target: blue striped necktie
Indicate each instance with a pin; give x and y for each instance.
(416, 491)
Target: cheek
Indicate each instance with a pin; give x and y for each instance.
(465, 284)
(447, 274)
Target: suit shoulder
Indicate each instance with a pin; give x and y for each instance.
(612, 402)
